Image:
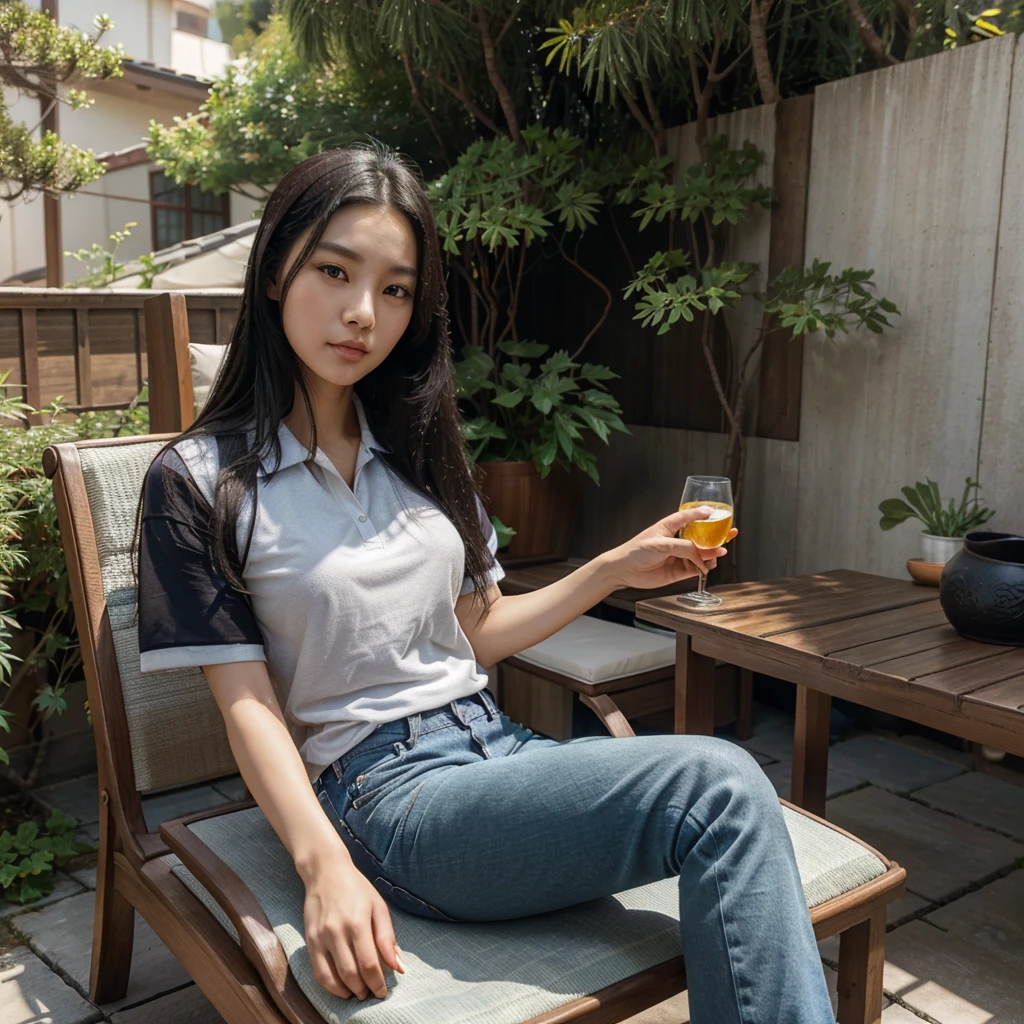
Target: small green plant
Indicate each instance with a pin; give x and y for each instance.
(924, 503)
(29, 855)
(101, 265)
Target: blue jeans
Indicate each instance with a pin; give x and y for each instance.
(461, 814)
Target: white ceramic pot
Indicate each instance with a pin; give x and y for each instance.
(939, 549)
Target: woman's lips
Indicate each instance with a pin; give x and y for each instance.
(350, 352)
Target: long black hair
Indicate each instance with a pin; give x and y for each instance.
(409, 399)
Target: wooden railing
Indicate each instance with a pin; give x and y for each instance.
(89, 346)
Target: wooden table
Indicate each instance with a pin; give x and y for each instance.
(880, 642)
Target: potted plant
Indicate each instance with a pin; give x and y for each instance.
(529, 409)
(944, 525)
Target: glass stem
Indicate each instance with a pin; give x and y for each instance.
(702, 583)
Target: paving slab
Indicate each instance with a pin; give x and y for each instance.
(781, 775)
(78, 797)
(62, 934)
(898, 912)
(165, 806)
(186, 1006)
(85, 876)
(64, 887)
(942, 855)
(893, 766)
(30, 993)
(980, 798)
(771, 734)
(942, 751)
(949, 978)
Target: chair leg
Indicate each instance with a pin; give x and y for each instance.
(861, 961)
(113, 931)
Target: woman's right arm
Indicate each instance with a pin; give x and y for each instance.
(347, 921)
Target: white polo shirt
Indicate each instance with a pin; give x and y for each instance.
(352, 590)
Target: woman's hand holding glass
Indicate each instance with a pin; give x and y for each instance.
(349, 933)
(658, 557)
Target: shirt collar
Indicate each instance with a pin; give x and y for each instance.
(294, 452)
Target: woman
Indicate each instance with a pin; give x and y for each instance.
(316, 544)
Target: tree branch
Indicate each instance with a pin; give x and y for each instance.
(491, 63)
(652, 109)
(638, 114)
(759, 43)
(421, 106)
(869, 37)
(466, 101)
(508, 22)
(607, 299)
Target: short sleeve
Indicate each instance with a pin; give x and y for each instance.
(189, 615)
(495, 573)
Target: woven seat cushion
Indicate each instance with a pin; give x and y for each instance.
(507, 972)
(206, 362)
(594, 651)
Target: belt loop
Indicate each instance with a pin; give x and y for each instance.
(413, 722)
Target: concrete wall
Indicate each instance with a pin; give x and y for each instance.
(915, 173)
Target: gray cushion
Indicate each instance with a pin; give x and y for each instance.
(507, 972)
(176, 732)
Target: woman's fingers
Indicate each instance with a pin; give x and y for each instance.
(704, 559)
(369, 963)
(384, 936)
(684, 517)
(326, 973)
(349, 971)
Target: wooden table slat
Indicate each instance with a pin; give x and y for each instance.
(798, 609)
(958, 655)
(895, 647)
(1005, 695)
(955, 683)
(837, 636)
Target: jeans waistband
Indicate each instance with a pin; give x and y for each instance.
(461, 711)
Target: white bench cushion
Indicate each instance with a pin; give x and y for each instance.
(593, 651)
(205, 362)
(508, 971)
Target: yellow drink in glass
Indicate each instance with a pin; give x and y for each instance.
(711, 532)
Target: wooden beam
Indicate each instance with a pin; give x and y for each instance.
(170, 372)
(782, 361)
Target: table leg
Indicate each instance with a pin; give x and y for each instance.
(810, 750)
(695, 689)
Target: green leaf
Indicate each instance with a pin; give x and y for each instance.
(507, 399)
(523, 349)
(504, 533)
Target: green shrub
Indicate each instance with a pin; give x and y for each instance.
(29, 855)
(38, 642)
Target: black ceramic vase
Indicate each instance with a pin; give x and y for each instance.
(982, 588)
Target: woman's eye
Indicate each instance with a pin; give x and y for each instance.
(333, 271)
(398, 291)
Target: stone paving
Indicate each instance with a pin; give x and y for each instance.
(955, 944)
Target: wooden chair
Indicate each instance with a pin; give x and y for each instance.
(220, 891)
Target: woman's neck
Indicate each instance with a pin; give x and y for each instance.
(334, 414)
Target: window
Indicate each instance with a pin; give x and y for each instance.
(194, 24)
(183, 211)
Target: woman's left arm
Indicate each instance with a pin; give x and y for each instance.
(654, 558)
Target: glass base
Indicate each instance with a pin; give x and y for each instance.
(699, 602)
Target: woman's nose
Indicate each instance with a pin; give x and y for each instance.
(359, 311)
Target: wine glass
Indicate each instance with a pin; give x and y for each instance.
(714, 492)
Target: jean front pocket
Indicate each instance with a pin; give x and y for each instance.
(371, 772)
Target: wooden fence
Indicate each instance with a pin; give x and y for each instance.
(89, 346)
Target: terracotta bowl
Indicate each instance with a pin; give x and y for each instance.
(925, 573)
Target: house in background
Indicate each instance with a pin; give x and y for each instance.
(174, 49)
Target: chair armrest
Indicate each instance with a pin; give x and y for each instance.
(257, 938)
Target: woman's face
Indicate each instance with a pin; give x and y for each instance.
(353, 299)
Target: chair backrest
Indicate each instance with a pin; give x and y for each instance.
(159, 729)
(180, 372)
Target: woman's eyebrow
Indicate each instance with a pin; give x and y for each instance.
(351, 254)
